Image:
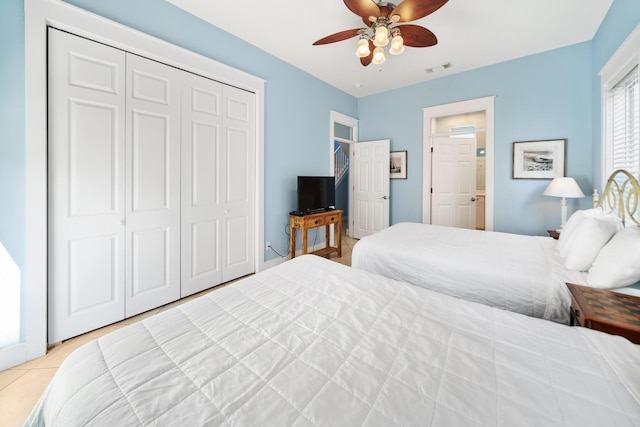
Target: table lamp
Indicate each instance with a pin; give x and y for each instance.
(563, 187)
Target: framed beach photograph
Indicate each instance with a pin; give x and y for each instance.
(539, 159)
(398, 165)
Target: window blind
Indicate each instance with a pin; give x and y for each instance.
(623, 125)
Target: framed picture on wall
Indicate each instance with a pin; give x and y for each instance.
(398, 165)
(543, 159)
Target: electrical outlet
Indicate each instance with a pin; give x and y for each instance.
(268, 244)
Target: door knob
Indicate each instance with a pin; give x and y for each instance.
(473, 199)
(384, 197)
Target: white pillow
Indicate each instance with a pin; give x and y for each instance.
(591, 235)
(568, 232)
(618, 263)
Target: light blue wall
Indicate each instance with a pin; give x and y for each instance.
(297, 105)
(12, 150)
(543, 96)
(623, 17)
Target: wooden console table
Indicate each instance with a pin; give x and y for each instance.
(305, 222)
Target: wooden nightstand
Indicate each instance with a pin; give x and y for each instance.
(606, 311)
(554, 234)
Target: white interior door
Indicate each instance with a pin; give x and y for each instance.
(238, 181)
(453, 182)
(86, 187)
(153, 185)
(202, 203)
(370, 171)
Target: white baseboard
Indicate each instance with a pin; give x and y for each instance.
(12, 355)
(279, 260)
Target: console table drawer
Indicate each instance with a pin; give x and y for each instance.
(333, 219)
(315, 222)
(301, 222)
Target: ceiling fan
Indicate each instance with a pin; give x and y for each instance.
(381, 20)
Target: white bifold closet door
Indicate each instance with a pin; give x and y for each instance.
(239, 183)
(218, 183)
(151, 184)
(152, 207)
(86, 185)
(114, 185)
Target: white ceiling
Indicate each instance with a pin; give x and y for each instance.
(471, 34)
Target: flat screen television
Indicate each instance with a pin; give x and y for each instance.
(316, 193)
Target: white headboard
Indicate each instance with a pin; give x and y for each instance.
(622, 194)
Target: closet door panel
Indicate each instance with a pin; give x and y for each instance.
(93, 165)
(238, 252)
(151, 162)
(239, 182)
(202, 199)
(85, 185)
(205, 244)
(153, 181)
(151, 249)
(103, 276)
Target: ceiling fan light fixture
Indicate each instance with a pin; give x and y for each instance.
(397, 45)
(381, 37)
(362, 50)
(378, 55)
(384, 22)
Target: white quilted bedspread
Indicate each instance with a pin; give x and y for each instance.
(314, 343)
(509, 271)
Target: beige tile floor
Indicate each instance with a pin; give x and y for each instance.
(21, 386)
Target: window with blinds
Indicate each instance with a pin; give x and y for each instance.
(622, 145)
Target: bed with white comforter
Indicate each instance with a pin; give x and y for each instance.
(314, 343)
(509, 271)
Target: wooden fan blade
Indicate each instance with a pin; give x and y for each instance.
(363, 8)
(417, 36)
(367, 59)
(338, 37)
(410, 10)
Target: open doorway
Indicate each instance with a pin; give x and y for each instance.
(460, 120)
(344, 132)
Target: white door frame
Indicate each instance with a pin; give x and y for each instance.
(38, 15)
(335, 117)
(429, 113)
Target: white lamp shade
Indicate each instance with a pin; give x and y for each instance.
(563, 187)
